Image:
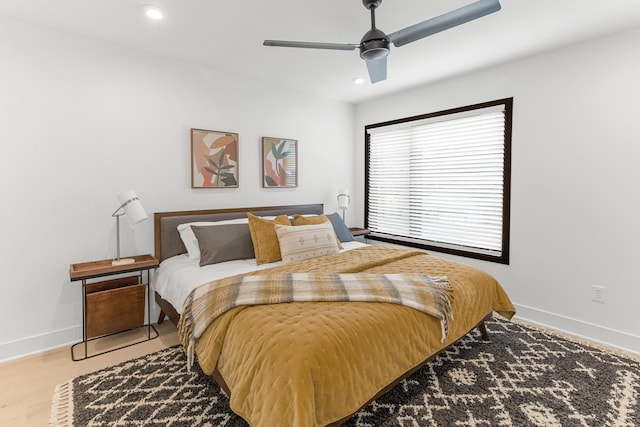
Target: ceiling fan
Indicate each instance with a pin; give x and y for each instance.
(374, 46)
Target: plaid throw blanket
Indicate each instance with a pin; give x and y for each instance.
(429, 294)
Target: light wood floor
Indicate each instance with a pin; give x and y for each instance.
(26, 384)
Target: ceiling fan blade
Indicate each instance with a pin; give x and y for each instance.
(310, 45)
(377, 69)
(443, 22)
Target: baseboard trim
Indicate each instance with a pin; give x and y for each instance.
(35, 344)
(39, 343)
(578, 328)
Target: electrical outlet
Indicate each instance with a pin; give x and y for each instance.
(599, 294)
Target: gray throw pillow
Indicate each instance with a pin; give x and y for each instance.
(226, 242)
(341, 229)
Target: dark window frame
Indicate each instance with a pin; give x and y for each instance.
(503, 258)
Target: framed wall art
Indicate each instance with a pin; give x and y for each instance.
(214, 159)
(279, 162)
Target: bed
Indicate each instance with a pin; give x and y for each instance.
(307, 363)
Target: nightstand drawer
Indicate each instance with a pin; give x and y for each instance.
(114, 305)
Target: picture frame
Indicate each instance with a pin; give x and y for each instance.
(279, 162)
(214, 159)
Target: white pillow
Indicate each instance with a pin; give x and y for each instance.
(189, 238)
(306, 241)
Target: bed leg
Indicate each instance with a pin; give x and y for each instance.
(161, 317)
(483, 331)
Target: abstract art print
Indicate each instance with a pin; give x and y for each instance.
(214, 159)
(279, 163)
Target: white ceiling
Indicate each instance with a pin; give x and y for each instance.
(228, 35)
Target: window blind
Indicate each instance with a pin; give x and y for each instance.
(440, 181)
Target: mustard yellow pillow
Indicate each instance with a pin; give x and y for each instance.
(264, 237)
(311, 220)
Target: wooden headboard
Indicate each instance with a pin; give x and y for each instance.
(167, 238)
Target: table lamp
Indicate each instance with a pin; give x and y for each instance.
(131, 206)
(343, 200)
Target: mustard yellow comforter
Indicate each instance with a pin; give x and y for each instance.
(308, 364)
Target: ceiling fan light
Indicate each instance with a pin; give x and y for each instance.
(373, 54)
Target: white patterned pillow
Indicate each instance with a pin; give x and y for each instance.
(306, 241)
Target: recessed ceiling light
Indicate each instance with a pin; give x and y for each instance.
(358, 80)
(153, 12)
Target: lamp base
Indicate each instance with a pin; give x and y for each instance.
(123, 261)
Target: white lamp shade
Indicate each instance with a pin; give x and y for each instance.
(132, 206)
(343, 198)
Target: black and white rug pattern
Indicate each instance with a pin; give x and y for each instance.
(522, 377)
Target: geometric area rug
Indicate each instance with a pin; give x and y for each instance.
(522, 377)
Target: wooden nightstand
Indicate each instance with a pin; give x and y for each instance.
(359, 233)
(113, 306)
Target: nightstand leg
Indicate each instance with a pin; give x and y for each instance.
(84, 317)
(84, 341)
(148, 303)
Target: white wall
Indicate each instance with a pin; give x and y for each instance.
(82, 121)
(575, 202)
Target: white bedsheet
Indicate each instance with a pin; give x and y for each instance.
(178, 276)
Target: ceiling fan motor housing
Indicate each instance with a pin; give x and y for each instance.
(374, 49)
(374, 45)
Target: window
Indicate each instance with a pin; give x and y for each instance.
(441, 181)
